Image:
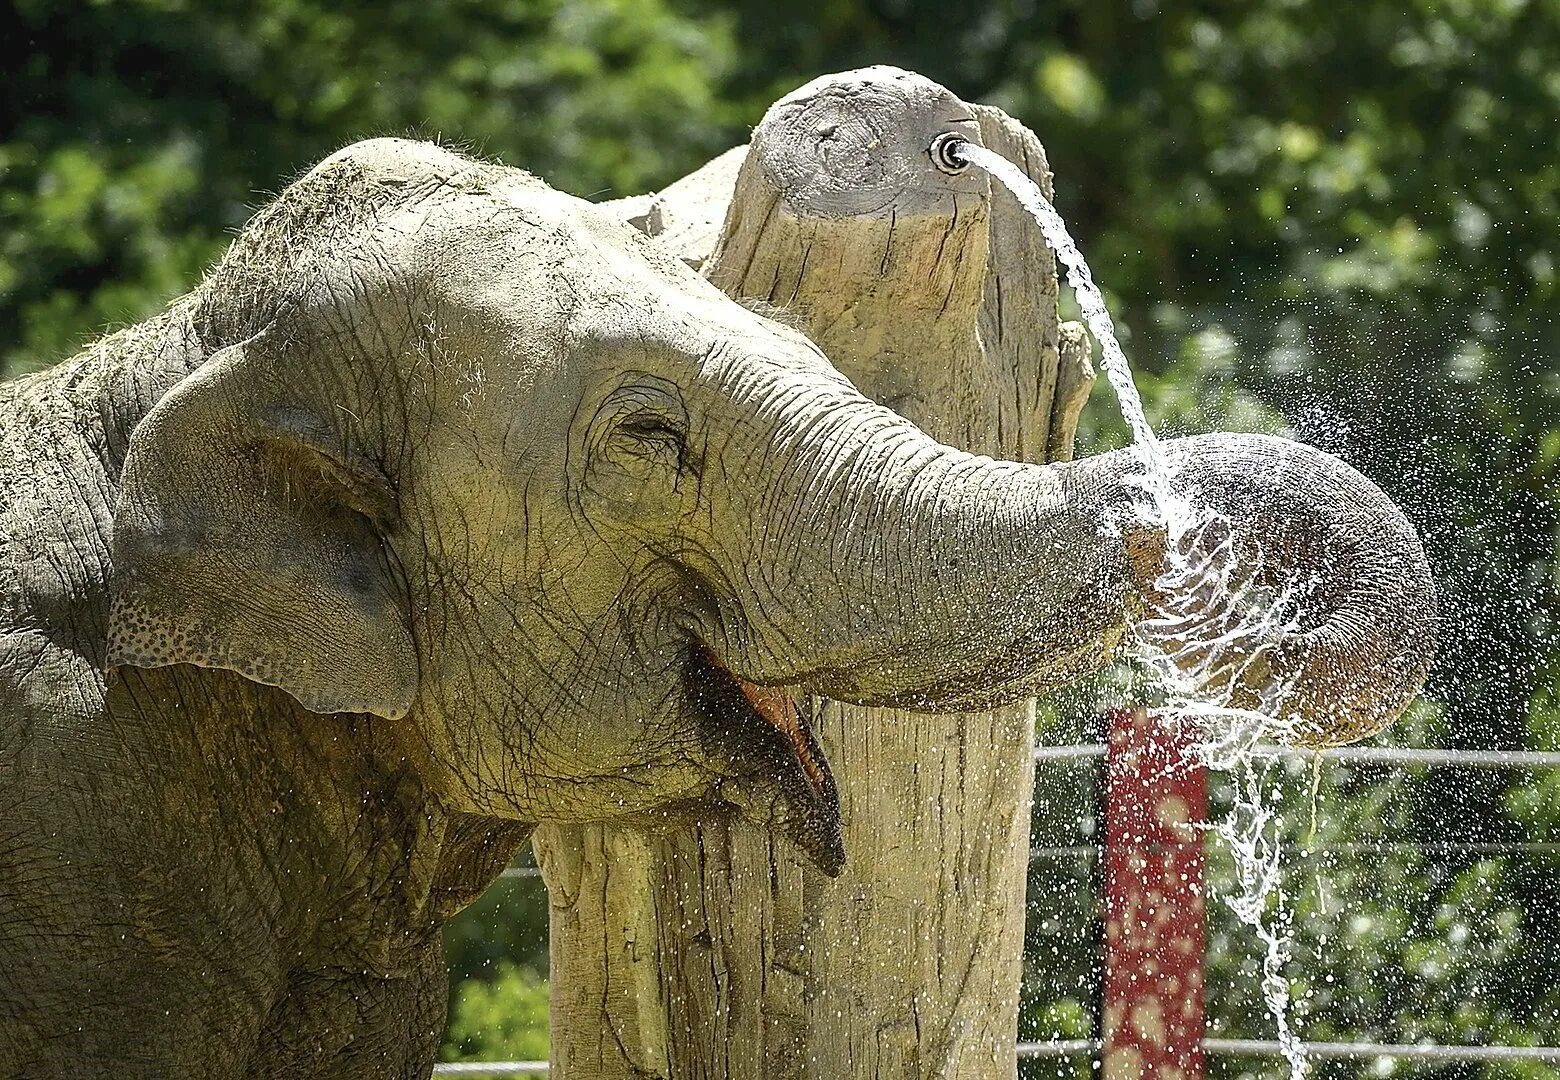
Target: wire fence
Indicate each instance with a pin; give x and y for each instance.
(1376, 755)
(1092, 1048)
(1361, 1050)
(1335, 1050)
(1363, 847)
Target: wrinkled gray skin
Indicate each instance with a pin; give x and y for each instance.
(408, 528)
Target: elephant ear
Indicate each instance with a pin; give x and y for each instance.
(247, 536)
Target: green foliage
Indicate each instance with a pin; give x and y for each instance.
(500, 1020)
(135, 133)
(497, 951)
(508, 922)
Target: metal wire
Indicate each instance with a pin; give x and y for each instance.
(1069, 753)
(1404, 755)
(1263, 1047)
(1058, 1048)
(1378, 755)
(1419, 1051)
(1234, 1047)
(1382, 847)
(1438, 847)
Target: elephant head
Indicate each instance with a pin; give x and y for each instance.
(472, 460)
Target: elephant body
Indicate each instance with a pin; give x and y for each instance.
(445, 506)
(197, 876)
(204, 874)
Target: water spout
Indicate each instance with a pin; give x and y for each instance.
(1090, 300)
(1208, 627)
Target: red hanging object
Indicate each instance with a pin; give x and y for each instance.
(1155, 937)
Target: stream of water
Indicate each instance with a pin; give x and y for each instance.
(1202, 638)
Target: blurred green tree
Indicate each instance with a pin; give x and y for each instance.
(134, 133)
(504, 1019)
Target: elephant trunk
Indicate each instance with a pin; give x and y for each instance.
(1313, 582)
(895, 570)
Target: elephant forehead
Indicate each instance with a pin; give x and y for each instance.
(521, 280)
(497, 242)
(389, 160)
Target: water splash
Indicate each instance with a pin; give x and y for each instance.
(1204, 638)
(1206, 635)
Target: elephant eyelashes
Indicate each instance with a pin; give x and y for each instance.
(654, 439)
(638, 455)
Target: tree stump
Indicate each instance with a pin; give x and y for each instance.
(715, 952)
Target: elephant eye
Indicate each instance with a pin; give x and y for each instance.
(643, 426)
(641, 464)
(652, 432)
(651, 438)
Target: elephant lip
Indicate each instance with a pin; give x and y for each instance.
(779, 709)
(738, 710)
(775, 707)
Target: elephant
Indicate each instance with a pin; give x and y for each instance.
(445, 505)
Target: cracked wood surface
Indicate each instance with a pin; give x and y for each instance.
(713, 951)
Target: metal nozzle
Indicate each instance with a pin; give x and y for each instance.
(946, 152)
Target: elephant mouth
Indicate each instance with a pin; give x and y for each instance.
(761, 732)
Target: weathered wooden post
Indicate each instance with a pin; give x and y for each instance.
(714, 952)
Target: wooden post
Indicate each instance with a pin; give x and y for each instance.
(716, 952)
(1155, 936)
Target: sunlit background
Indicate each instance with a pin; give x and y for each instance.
(1335, 220)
